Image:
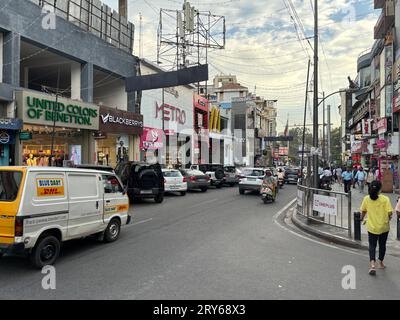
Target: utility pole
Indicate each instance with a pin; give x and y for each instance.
(323, 146)
(329, 136)
(141, 36)
(315, 106)
(304, 126)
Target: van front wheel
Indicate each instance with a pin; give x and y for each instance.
(113, 230)
(45, 252)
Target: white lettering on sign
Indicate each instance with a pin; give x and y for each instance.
(119, 120)
(171, 113)
(325, 205)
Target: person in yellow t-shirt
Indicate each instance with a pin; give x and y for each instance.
(379, 211)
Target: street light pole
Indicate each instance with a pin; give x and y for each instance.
(315, 106)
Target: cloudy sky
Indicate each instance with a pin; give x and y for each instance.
(263, 48)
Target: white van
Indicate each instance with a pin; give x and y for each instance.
(42, 207)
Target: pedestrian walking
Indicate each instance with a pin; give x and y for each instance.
(339, 172)
(377, 174)
(347, 179)
(361, 177)
(370, 177)
(355, 170)
(378, 210)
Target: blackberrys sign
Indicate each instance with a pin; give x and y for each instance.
(121, 122)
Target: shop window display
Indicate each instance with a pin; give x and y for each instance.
(38, 151)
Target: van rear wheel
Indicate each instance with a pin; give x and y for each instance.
(113, 231)
(45, 252)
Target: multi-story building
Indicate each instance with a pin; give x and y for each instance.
(372, 122)
(63, 66)
(249, 118)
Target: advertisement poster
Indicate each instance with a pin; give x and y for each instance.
(75, 152)
(151, 139)
(122, 148)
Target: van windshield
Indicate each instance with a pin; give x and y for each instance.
(10, 181)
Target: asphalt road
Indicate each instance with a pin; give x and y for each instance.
(217, 245)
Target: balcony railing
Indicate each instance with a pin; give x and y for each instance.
(97, 18)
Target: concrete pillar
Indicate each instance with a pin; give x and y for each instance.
(1, 57)
(11, 58)
(76, 81)
(86, 95)
(87, 82)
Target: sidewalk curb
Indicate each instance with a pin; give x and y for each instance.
(326, 236)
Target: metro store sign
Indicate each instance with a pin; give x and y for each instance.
(41, 109)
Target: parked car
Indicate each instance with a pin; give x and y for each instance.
(48, 206)
(231, 176)
(174, 181)
(292, 175)
(142, 180)
(251, 180)
(196, 180)
(214, 171)
(95, 167)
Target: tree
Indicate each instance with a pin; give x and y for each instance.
(297, 134)
(336, 145)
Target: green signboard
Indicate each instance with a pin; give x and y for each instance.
(23, 136)
(43, 109)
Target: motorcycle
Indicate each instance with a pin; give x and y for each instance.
(267, 194)
(281, 182)
(325, 184)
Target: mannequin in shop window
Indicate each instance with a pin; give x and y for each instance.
(31, 162)
(41, 162)
(122, 152)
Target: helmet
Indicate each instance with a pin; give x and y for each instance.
(268, 173)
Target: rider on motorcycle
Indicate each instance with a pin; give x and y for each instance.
(269, 182)
(326, 177)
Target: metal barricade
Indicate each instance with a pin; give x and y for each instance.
(343, 217)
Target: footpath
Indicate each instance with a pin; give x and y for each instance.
(340, 236)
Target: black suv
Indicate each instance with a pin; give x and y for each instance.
(142, 180)
(214, 171)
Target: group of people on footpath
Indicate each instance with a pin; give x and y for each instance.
(357, 177)
(376, 209)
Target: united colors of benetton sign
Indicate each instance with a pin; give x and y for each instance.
(41, 109)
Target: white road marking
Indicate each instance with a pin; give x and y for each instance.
(203, 203)
(139, 222)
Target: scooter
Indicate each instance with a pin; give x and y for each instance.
(281, 182)
(267, 194)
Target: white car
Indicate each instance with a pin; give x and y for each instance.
(174, 181)
(251, 179)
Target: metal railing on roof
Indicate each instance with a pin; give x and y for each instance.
(97, 18)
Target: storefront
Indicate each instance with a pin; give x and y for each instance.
(201, 125)
(118, 137)
(8, 135)
(55, 132)
(168, 121)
